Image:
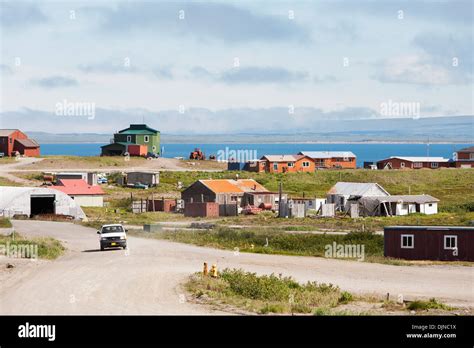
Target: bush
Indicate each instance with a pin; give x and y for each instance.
(420, 305)
(345, 297)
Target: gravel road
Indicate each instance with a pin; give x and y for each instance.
(146, 280)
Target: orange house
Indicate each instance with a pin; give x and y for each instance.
(332, 159)
(286, 164)
(14, 140)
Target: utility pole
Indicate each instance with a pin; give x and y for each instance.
(279, 199)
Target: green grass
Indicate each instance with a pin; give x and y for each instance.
(265, 294)
(454, 187)
(420, 305)
(48, 248)
(279, 242)
(5, 223)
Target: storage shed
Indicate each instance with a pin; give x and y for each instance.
(344, 193)
(32, 201)
(398, 205)
(444, 243)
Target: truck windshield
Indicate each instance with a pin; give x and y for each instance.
(112, 229)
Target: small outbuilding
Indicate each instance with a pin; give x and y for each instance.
(84, 194)
(345, 193)
(444, 243)
(147, 178)
(31, 201)
(398, 205)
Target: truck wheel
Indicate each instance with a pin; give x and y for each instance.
(102, 248)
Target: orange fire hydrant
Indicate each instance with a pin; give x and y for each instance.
(214, 271)
(204, 270)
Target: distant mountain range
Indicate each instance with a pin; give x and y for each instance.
(459, 129)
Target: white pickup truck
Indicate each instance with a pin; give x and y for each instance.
(112, 236)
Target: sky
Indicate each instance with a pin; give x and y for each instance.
(223, 67)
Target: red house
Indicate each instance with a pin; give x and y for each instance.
(405, 162)
(465, 158)
(14, 141)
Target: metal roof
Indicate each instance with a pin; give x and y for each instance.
(421, 159)
(280, 158)
(420, 199)
(6, 132)
(327, 154)
(138, 129)
(77, 187)
(441, 228)
(354, 188)
(467, 149)
(233, 186)
(28, 142)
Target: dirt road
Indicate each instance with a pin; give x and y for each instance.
(147, 280)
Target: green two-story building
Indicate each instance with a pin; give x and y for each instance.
(136, 140)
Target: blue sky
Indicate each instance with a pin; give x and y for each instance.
(322, 59)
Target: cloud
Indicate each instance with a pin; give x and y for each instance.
(325, 79)
(251, 75)
(5, 69)
(452, 11)
(20, 14)
(163, 72)
(418, 70)
(108, 68)
(202, 20)
(55, 82)
(445, 49)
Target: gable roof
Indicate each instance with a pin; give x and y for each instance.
(6, 132)
(233, 186)
(327, 154)
(77, 187)
(28, 142)
(420, 199)
(279, 158)
(138, 129)
(467, 149)
(419, 159)
(355, 188)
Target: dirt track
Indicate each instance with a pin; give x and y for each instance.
(147, 281)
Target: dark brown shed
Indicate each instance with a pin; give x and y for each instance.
(444, 243)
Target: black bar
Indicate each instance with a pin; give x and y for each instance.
(242, 330)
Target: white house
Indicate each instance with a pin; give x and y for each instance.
(84, 194)
(398, 205)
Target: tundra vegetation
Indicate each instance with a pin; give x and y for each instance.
(236, 290)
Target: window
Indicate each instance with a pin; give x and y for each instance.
(305, 164)
(275, 166)
(434, 164)
(402, 165)
(129, 138)
(430, 204)
(291, 164)
(471, 155)
(153, 148)
(417, 164)
(11, 140)
(407, 241)
(146, 138)
(450, 242)
(233, 198)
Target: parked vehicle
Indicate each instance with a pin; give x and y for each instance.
(150, 155)
(139, 185)
(102, 180)
(112, 236)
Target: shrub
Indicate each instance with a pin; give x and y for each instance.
(432, 303)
